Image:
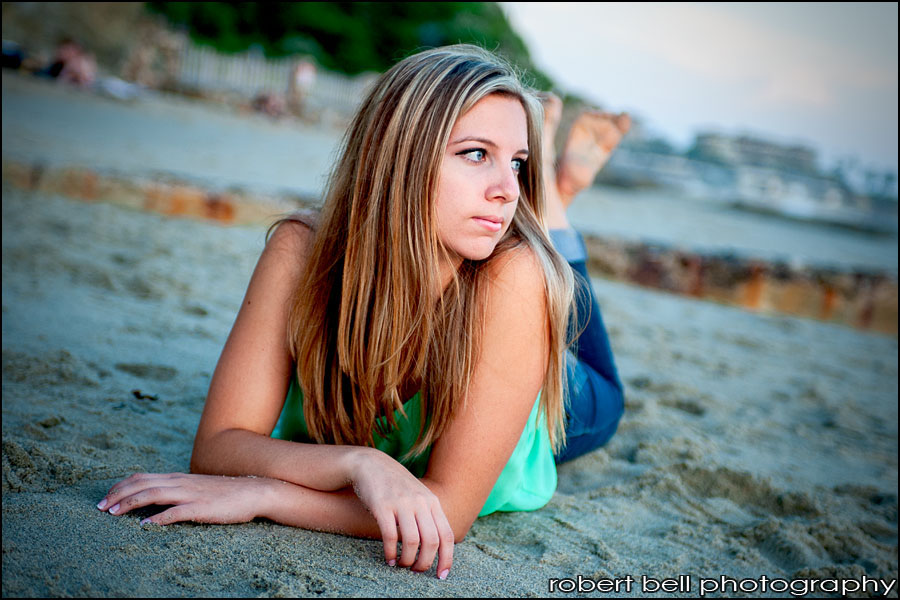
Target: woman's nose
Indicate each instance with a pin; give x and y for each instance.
(506, 185)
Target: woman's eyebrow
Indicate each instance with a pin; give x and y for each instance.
(484, 141)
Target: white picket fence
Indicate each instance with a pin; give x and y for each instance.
(250, 73)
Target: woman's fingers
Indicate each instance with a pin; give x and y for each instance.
(175, 514)
(425, 532)
(447, 540)
(406, 511)
(409, 538)
(201, 498)
(428, 540)
(135, 482)
(387, 524)
(113, 501)
(132, 498)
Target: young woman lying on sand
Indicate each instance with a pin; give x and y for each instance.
(400, 367)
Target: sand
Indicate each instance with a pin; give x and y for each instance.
(750, 446)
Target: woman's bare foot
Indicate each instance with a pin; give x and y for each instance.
(556, 211)
(593, 137)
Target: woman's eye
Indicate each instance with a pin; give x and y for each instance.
(518, 164)
(476, 155)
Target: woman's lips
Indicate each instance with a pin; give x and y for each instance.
(490, 223)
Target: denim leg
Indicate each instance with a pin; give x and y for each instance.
(595, 400)
(594, 408)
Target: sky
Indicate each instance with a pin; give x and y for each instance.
(819, 74)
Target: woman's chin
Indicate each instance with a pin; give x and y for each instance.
(480, 252)
(473, 250)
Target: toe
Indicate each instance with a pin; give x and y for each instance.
(623, 122)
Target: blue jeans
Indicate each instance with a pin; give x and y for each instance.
(595, 400)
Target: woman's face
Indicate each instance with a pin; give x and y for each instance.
(478, 185)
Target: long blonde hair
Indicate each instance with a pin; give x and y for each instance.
(364, 320)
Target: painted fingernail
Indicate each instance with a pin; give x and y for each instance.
(145, 521)
(444, 574)
(392, 562)
(102, 504)
(114, 509)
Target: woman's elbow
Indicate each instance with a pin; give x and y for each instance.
(460, 530)
(459, 519)
(198, 463)
(460, 524)
(203, 455)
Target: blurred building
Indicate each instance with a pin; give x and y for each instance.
(750, 151)
(750, 174)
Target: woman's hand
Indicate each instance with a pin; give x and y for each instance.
(405, 510)
(200, 498)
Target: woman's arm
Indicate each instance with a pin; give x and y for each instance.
(251, 379)
(469, 456)
(246, 396)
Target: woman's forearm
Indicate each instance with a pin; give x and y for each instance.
(395, 513)
(339, 511)
(217, 499)
(320, 467)
(329, 487)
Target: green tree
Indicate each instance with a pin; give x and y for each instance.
(351, 37)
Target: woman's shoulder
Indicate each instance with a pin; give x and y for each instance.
(288, 247)
(517, 270)
(516, 289)
(293, 233)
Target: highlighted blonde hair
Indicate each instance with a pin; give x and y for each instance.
(367, 317)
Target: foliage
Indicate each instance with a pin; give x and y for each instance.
(352, 37)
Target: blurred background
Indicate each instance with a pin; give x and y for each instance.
(760, 170)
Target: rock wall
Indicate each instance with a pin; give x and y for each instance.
(861, 299)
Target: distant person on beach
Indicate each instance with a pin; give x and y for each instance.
(399, 365)
(269, 104)
(13, 55)
(302, 79)
(72, 64)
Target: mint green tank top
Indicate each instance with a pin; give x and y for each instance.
(527, 482)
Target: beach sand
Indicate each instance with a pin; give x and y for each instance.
(751, 445)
